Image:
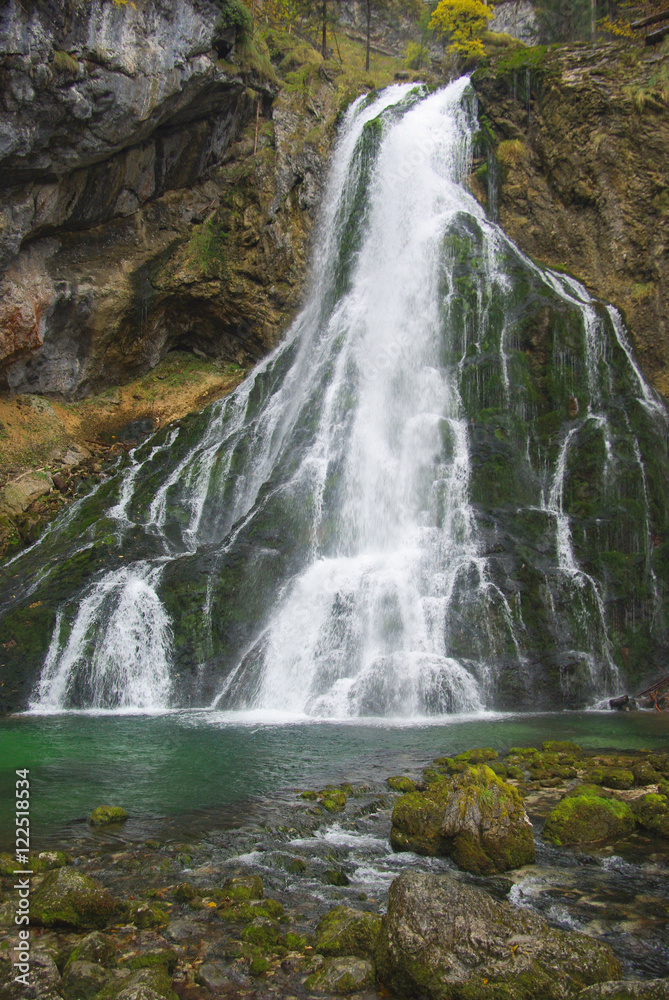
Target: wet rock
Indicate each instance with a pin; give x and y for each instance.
(147, 984)
(401, 784)
(587, 819)
(145, 915)
(334, 876)
(83, 980)
(345, 931)
(67, 898)
(104, 815)
(475, 818)
(444, 940)
(214, 975)
(243, 887)
(652, 813)
(650, 989)
(263, 932)
(44, 979)
(18, 495)
(342, 975)
(95, 947)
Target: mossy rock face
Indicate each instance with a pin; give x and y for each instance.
(346, 974)
(243, 887)
(95, 947)
(587, 819)
(425, 947)
(401, 784)
(66, 898)
(107, 814)
(475, 817)
(345, 931)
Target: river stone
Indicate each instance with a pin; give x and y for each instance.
(104, 815)
(445, 940)
(587, 819)
(147, 984)
(95, 947)
(243, 887)
(83, 980)
(650, 989)
(346, 974)
(475, 817)
(72, 900)
(44, 979)
(345, 931)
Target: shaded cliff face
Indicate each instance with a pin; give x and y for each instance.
(153, 195)
(580, 174)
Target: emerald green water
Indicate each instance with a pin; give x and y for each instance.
(188, 771)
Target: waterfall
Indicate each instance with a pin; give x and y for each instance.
(428, 499)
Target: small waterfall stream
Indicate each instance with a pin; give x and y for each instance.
(436, 495)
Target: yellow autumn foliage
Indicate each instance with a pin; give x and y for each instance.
(464, 21)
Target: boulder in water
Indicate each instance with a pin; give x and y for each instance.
(445, 940)
(587, 818)
(474, 817)
(652, 813)
(104, 815)
(66, 898)
(243, 887)
(345, 931)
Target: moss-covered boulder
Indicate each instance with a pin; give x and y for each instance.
(332, 799)
(245, 912)
(401, 783)
(263, 931)
(611, 777)
(652, 813)
(345, 931)
(562, 746)
(479, 755)
(445, 940)
(475, 818)
(104, 815)
(335, 876)
(68, 899)
(346, 974)
(243, 887)
(587, 819)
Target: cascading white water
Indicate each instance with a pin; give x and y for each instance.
(351, 459)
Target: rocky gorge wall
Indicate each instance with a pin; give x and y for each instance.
(154, 195)
(578, 174)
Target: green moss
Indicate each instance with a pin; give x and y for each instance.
(263, 932)
(67, 898)
(586, 819)
(477, 756)
(244, 913)
(345, 931)
(104, 815)
(243, 887)
(259, 965)
(401, 784)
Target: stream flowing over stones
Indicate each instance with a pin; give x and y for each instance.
(444, 491)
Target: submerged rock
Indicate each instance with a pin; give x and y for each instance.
(587, 818)
(650, 989)
(66, 898)
(474, 817)
(445, 940)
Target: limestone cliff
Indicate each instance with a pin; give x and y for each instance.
(154, 195)
(577, 140)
